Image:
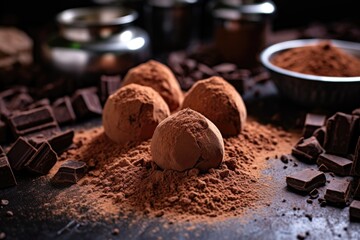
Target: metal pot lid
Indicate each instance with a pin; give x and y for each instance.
(170, 3)
(237, 9)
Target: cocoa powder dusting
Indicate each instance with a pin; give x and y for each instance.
(123, 179)
(323, 59)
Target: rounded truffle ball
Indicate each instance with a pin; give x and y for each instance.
(159, 77)
(187, 140)
(219, 101)
(132, 113)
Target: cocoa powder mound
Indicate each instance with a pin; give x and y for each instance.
(323, 59)
(125, 180)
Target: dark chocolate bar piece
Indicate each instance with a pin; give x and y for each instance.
(20, 153)
(307, 150)
(69, 173)
(340, 129)
(34, 120)
(63, 111)
(338, 191)
(306, 180)
(357, 191)
(319, 134)
(61, 141)
(355, 169)
(313, 122)
(108, 85)
(43, 160)
(86, 103)
(3, 132)
(355, 210)
(338, 165)
(7, 178)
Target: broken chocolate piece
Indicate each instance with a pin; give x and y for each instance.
(340, 129)
(320, 135)
(313, 122)
(20, 153)
(37, 141)
(355, 169)
(61, 141)
(306, 180)
(7, 178)
(86, 103)
(355, 210)
(3, 132)
(33, 120)
(307, 150)
(108, 85)
(357, 191)
(69, 173)
(338, 191)
(43, 160)
(63, 111)
(338, 165)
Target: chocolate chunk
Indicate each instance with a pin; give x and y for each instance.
(3, 132)
(356, 112)
(340, 129)
(338, 191)
(306, 180)
(338, 165)
(320, 135)
(109, 85)
(33, 120)
(7, 178)
(37, 141)
(313, 122)
(40, 103)
(20, 153)
(355, 169)
(225, 68)
(42, 161)
(355, 210)
(69, 173)
(63, 111)
(86, 104)
(61, 141)
(307, 150)
(357, 191)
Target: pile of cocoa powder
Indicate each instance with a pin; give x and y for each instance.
(123, 179)
(323, 59)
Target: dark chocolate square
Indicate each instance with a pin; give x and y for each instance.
(306, 180)
(7, 178)
(338, 165)
(42, 161)
(307, 150)
(355, 169)
(355, 210)
(20, 153)
(63, 111)
(338, 191)
(340, 129)
(69, 173)
(313, 122)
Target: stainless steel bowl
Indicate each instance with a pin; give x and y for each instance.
(311, 90)
(96, 40)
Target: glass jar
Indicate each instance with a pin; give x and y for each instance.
(94, 41)
(241, 28)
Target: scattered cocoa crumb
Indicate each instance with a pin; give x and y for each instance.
(9, 214)
(4, 202)
(124, 179)
(115, 231)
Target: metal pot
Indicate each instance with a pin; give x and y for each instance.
(96, 40)
(172, 24)
(241, 28)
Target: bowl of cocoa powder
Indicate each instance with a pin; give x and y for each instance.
(316, 72)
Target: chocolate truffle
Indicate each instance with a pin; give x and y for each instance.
(217, 100)
(159, 77)
(132, 113)
(187, 140)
